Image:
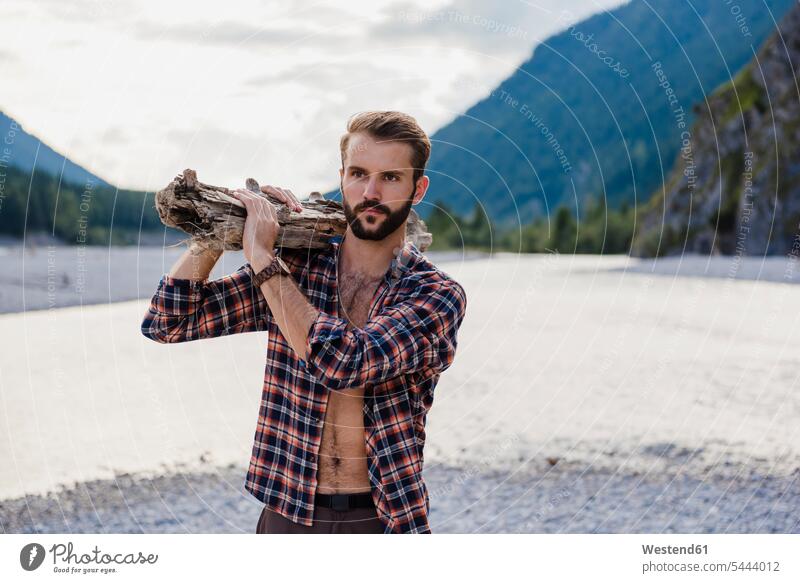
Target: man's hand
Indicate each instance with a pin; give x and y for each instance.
(283, 195)
(260, 228)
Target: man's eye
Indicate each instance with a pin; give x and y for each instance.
(391, 177)
(356, 173)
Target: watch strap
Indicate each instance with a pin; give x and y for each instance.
(275, 267)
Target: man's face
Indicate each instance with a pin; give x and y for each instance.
(377, 185)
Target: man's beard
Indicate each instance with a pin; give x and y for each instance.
(390, 224)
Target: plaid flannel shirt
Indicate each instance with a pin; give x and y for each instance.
(398, 356)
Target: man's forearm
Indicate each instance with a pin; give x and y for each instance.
(290, 307)
(196, 263)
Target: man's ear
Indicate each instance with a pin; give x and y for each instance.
(341, 172)
(422, 187)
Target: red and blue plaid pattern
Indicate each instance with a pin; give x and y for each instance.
(398, 356)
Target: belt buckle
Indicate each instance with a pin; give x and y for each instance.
(340, 502)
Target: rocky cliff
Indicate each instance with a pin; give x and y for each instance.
(735, 186)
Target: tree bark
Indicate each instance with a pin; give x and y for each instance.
(215, 219)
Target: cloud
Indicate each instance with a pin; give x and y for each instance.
(323, 75)
(115, 134)
(309, 25)
(244, 35)
(89, 11)
(477, 24)
(8, 57)
(263, 90)
(495, 28)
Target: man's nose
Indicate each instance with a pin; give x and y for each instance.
(372, 188)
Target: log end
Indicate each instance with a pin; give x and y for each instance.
(252, 185)
(417, 231)
(189, 178)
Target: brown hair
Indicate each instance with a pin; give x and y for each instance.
(391, 125)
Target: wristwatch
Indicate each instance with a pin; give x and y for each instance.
(276, 266)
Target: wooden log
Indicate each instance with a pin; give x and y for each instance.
(215, 219)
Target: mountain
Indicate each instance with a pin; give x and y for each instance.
(43, 193)
(591, 113)
(23, 151)
(735, 188)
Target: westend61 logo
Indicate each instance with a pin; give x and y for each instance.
(32, 556)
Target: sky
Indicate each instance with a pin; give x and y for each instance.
(137, 91)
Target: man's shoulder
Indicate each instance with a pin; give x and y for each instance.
(424, 274)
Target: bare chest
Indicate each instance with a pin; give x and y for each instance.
(355, 298)
(343, 455)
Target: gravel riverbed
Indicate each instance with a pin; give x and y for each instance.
(546, 501)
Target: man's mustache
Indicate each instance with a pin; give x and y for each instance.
(371, 205)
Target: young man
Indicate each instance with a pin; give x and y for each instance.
(358, 337)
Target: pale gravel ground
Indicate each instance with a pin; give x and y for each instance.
(551, 501)
(670, 404)
(43, 276)
(56, 276)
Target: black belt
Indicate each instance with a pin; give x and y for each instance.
(343, 502)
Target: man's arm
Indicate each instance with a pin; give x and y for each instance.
(290, 307)
(417, 335)
(186, 306)
(196, 263)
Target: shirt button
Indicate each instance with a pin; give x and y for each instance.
(312, 458)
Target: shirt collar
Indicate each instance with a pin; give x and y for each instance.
(404, 258)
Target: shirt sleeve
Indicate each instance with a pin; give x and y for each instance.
(417, 335)
(182, 310)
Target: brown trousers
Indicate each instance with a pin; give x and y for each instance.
(326, 521)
